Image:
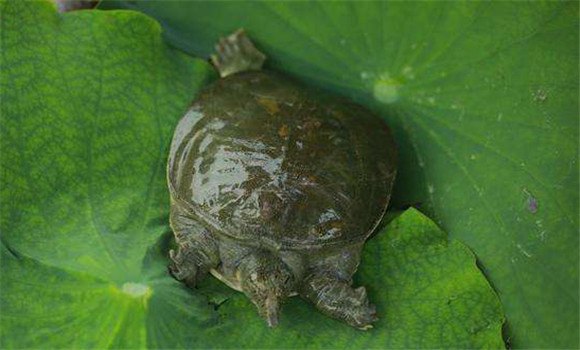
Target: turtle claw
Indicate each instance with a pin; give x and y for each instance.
(362, 294)
(363, 317)
(363, 312)
(172, 254)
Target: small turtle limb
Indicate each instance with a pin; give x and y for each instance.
(193, 260)
(329, 287)
(336, 298)
(197, 253)
(267, 281)
(236, 53)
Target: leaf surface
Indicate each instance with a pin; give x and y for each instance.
(483, 97)
(89, 101)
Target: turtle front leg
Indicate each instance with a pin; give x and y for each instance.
(336, 298)
(193, 260)
(198, 251)
(329, 287)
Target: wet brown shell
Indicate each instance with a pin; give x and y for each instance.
(260, 158)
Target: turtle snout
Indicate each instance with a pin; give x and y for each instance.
(272, 307)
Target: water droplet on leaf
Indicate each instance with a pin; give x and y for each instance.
(136, 290)
(386, 89)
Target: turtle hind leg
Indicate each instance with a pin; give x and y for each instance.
(236, 53)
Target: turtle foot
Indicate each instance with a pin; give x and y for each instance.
(358, 311)
(183, 269)
(236, 53)
(336, 298)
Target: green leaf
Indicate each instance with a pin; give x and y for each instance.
(429, 293)
(483, 97)
(89, 100)
(89, 103)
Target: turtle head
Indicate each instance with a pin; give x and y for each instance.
(267, 281)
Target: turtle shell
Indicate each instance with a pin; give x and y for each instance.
(260, 158)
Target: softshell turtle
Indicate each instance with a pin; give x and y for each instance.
(275, 187)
